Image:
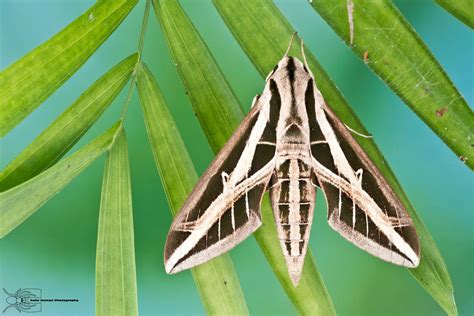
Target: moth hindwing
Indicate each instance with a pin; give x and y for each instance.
(291, 143)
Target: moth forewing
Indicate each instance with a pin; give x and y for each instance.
(365, 211)
(224, 207)
(291, 142)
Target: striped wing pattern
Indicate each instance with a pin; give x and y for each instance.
(361, 205)
(291, 142)
(224, 207)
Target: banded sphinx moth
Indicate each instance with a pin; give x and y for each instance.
(291, 143)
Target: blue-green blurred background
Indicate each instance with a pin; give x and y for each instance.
(55, 248)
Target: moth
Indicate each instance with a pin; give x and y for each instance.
(291, 143)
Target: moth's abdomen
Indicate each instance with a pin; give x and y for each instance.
(293, 197)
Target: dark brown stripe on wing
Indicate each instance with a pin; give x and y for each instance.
(226, 230)
(370, 184)
(275, 105)
(314, 132)
(263, 154)
(361, 221)
(269, 134)
(214, 186)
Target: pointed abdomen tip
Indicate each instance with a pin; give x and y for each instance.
(295, 277)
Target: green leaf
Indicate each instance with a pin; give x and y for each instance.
(220, 114)
(33, 78)
(216, 280)
(56, 140)
(115, 278)
(461, 9)
(265, 43)
(197, 68)
(396, 53)
(18, 203)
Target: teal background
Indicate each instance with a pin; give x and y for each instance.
(55, 248)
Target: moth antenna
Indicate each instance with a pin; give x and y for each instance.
(357, 133)
(289, 45)
(304, 55)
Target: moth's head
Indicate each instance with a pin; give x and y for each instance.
(288, 66)
(290, 62)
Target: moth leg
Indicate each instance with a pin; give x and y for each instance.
(318, 142)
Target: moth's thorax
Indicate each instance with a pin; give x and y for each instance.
(291, 78)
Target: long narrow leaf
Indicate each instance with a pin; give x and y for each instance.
(115, 279)
(56, 140)
(216, 280)
(396, 53)
(461, 9)
(33, 78)
(210, 93)
(265, 43)
(219, 114)
(20, 202)
(197, 68)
